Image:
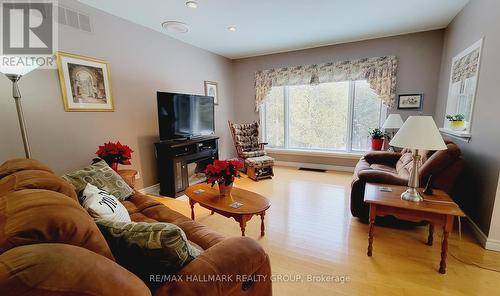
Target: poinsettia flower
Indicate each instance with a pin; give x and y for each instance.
(223, 171)
(115, 153)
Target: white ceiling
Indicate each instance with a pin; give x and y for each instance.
(270, 26)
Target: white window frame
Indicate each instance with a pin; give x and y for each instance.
(286, 119)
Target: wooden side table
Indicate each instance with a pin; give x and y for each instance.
(437, 209)
(128, 176)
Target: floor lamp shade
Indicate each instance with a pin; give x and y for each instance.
(419, 132)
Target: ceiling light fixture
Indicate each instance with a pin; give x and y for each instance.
(192, 4)
(232, 29)
(175, 27)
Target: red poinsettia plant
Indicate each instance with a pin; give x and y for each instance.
(223, 171)
(114, 153)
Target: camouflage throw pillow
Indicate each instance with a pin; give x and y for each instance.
(103, 177)
(148, 249)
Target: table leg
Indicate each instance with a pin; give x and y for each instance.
(191, 203)
(373, 212)
(444, 247)
(262, 227)
(430, 239)
(243, 224)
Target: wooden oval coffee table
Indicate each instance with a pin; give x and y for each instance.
(253, 204)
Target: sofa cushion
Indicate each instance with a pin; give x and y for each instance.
(32, 179)
(383, 167)
(440, 160)
(246, 136)
(21, 164)
(256, 153)
(34, 216)
(60, 269)
(100, 204)
(103, 177)
(148, 248)
(259, 162)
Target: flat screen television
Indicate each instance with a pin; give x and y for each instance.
(184, 115)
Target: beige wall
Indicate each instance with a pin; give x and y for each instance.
(477, 194)
(419, 57)
(142, 62)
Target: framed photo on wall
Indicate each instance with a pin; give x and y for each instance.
(212, 91)
(410, 102)
(85, 83)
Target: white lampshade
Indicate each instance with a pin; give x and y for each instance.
(419, 132)
(393, 121)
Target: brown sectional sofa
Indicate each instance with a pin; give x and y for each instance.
(49, 245)
(394, 168)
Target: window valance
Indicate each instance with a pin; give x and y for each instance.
(380, 72)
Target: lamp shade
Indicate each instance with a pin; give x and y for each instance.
(393, 121)
(419, 132)
(17, 70)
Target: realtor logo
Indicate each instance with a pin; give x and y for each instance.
(27, 28)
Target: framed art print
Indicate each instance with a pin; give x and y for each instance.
(410, 102)
(212, 91)
(85, 83)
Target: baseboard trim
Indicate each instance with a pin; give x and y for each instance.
(153, 189)
(328, 167)
(478, 233)
(493, 245)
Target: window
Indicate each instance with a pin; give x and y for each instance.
(332, 116)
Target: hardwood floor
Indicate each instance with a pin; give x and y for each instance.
(310, 231)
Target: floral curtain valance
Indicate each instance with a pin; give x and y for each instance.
(380, 72)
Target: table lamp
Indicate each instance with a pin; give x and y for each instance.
(14, 73)
(417, 133)
(393, 121)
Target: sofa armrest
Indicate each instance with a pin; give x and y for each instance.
(382, 157)
(224, 269)
(376, 176)
(60, 269)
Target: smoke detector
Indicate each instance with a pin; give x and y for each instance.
(175, 27)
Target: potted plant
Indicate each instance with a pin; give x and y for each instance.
(223, 172)
(114, 154)
(456, 121)
(377, 138)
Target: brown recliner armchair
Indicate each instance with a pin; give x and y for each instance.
(49, 245)
(394, 168)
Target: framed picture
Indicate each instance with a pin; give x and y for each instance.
(212, 91)
(410, 102)
(85, 83)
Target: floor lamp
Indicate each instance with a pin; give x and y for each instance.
(14, 74)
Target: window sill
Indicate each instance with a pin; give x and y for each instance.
(461, 135)
(344, 155)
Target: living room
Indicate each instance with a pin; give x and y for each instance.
(270, 63)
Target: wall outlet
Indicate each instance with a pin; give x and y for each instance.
(138, 176)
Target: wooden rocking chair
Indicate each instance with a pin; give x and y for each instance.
(246, 141)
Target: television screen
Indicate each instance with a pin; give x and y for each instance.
(183, 115)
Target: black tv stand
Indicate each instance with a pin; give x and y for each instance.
(181, 163)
